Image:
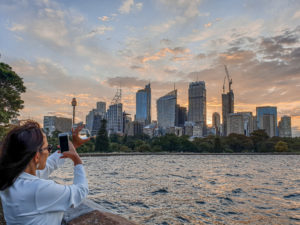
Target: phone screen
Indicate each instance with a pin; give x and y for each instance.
(63, 142)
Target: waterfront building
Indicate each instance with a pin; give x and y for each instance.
(134, 128)
(227, 108)
(216, 123)
(240, 123)
(178, 131)
(285, 127)
(150, 129)
(115, 119)
(53, 123)
(266, 119)
(197, 103)
(143, 105)
(188, 128)
(166, 110)
(193, 129)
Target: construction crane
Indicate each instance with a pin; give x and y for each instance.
(229, 80)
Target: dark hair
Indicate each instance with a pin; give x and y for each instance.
(17, 149)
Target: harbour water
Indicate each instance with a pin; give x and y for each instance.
(195, 189)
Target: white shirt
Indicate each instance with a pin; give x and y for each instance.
(34, 200)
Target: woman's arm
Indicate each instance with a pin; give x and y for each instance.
(50, 196)
(53, 162)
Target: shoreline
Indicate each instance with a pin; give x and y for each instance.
(98, 154)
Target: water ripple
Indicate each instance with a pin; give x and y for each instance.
(195, 189)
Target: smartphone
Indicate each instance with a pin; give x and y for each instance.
(63, 142)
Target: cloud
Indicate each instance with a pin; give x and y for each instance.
(104, 18)
(17, 27)
(162, 53)
(129, 5)
(207, 25)
(296, 15)
(165, 41)
(100, 30)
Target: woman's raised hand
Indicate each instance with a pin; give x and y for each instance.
(77, 141)
(72, 154)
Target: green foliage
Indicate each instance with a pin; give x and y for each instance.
(239, 142)
(53, 140)
(258, 137)
(115, 147)
(204, 144)
(266, 146)
(143, 148)
(281, 146)
(102, 141)
(11, 88)
(168, 142)
(3, 131)
(218, 145)
(87, 147)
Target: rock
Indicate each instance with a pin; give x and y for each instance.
(100, 218)
(91, 213)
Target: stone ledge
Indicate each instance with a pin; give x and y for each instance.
(90, 213)
(100, 218)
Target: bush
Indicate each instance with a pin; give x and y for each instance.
(143, 148)
(281, 146)
(115, 147)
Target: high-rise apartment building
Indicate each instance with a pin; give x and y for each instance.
(166, 110)
(182, 116)
(227, 108)
(101, 108)
(285, 127)
(143, 105)
(53, 123)
(115, 119)
(94, 117)
(266, 119)
(216, 122)
(197, 103)
(240, 123)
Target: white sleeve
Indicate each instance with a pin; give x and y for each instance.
(51, 196)
(53, 162)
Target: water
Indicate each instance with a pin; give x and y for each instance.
(195, 189)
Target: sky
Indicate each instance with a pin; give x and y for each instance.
(88, 49)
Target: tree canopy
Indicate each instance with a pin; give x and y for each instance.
(11, 88)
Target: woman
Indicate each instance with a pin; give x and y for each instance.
(27, 196)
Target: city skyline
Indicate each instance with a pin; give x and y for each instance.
(86, 50)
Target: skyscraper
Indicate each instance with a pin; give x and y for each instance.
(182, 116)
(115, 119)
(197, 103)
(266, 119)
(240, 123)
(143, 105)
(227, 108)
(166, 110)
(216, 122)
(284, 127)
(101, 108)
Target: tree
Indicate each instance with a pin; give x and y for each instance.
(239, 142)
(217, 145)
(258, 136)
(102, 142)
(281, 146)
(11, 88)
